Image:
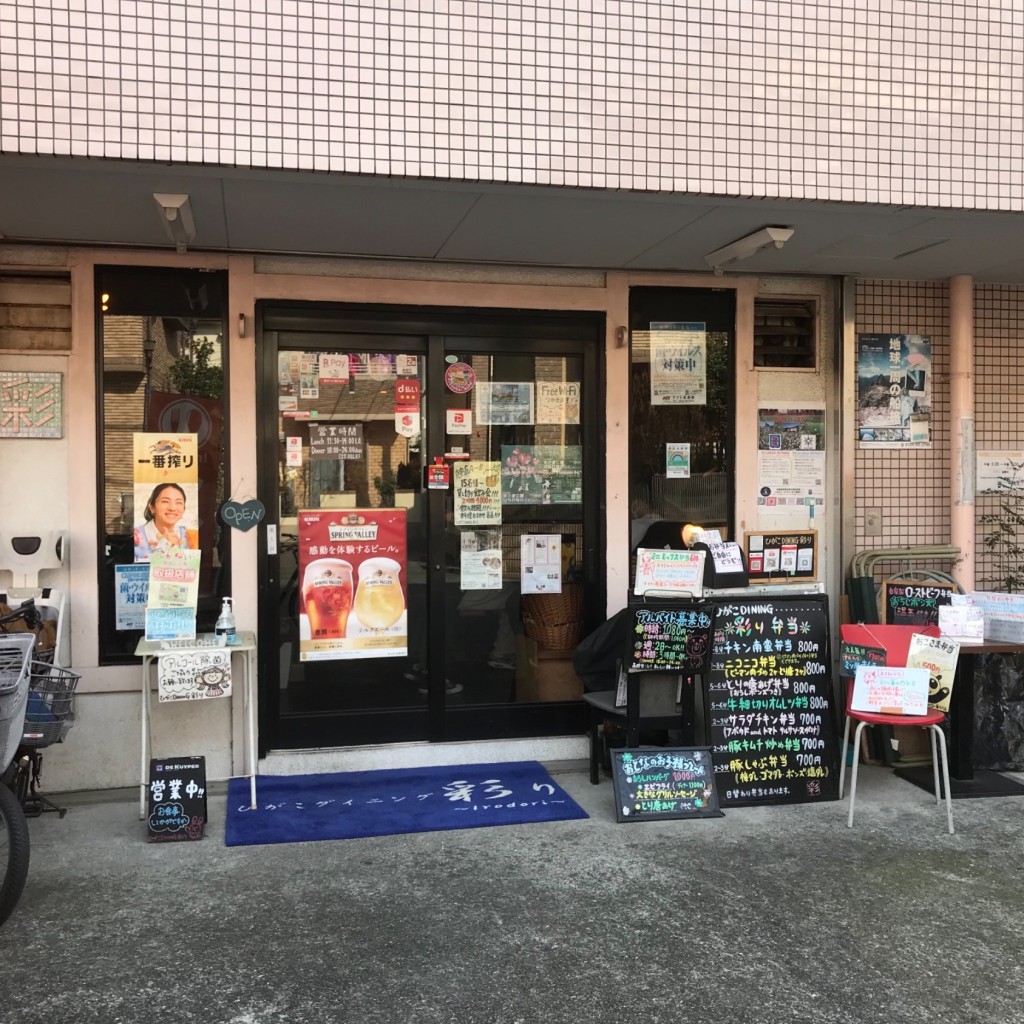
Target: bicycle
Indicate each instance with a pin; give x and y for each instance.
(15, 672)
(35, 710)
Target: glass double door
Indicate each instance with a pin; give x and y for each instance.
(434, 483)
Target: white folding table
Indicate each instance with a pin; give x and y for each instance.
(150, 651)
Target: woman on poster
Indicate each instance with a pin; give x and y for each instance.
(162, 529)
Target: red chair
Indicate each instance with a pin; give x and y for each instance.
(932, 721)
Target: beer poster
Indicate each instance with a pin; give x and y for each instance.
(166, 478)
(353, 596)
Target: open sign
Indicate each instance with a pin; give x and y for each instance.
(242, 515)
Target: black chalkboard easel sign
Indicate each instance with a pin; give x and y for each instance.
(177, 800)
(656, 783)
(670, 637)
(769, 702)
(913, 602)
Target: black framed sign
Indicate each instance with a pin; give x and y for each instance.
(177, 799)
(653, 783)
(782, 557)
(670, 637)
(769, 701)
(915, 602)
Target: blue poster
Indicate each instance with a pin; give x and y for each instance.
(894, 390)
(131, 590)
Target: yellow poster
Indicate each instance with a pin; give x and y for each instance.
(477, 493)
(166, 477)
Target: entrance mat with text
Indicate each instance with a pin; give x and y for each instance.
(353, 805)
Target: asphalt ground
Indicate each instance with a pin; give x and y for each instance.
(769, 914)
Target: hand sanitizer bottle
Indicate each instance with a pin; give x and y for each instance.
(225, 628)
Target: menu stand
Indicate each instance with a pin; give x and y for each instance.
(964, 780)
(150, 651)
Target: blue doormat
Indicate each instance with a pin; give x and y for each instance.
(352, 805)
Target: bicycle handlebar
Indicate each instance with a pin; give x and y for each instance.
(27, 610)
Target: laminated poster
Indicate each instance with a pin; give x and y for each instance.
(678, 364)
(166, 493)
(894, 390)
(352, 567)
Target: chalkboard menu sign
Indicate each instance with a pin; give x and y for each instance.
(653, 783)
(177, 799)
(852, 656)
(670, 638)
(915, 603)
(769, 702)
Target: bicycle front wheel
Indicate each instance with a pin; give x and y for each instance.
(13, 852)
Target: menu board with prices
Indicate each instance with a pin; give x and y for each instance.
(910, 603)
(664, 782)
(769, 702)
(671, 638)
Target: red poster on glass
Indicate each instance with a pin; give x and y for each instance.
(352, 564)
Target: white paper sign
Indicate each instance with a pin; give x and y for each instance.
(672, 571)
(333, 368)
(727, 557)
(194, 675)
(459, 421)
(541, 563)
(890, 690)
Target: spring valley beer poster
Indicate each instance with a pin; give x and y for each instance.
(353, 590)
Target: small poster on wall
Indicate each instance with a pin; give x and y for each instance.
(894, 390)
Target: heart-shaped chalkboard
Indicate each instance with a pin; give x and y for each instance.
(242, 515)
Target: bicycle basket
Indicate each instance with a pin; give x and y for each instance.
(15, 652)
(49, 715)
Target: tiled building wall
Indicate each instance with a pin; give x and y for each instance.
(915, 102)
(998, 395)
(910, 486)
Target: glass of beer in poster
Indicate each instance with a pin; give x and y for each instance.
(379, 598)
(327, 597)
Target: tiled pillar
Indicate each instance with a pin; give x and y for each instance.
(961, 425)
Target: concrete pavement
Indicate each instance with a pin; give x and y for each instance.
(769, 914)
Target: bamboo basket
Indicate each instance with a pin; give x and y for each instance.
(554, 621)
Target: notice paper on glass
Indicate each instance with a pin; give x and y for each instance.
(678, 364)
(131, 588)
(480, 560)
(890, 690)
(677, 460)
(541, 563)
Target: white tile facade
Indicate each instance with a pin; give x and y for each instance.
(915, 102)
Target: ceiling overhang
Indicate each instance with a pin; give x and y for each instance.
(46, 200)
